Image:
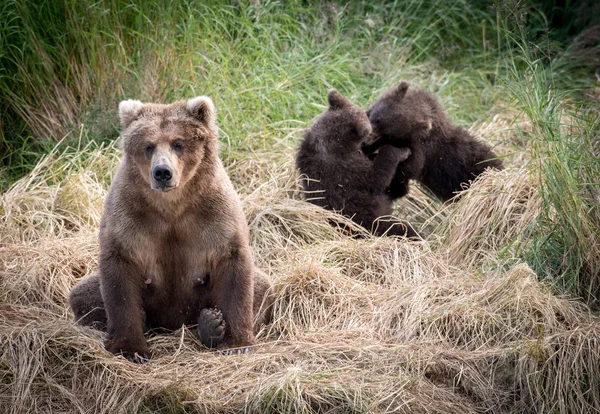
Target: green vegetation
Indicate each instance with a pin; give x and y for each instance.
(267, 66)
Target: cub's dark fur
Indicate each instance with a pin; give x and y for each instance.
(445, 157)
(338, 176)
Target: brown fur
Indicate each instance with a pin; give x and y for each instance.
(445, 157)
(338, 176)
(169, 250)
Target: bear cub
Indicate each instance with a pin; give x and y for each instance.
(174, 246)
(444, 158)
(337, 175)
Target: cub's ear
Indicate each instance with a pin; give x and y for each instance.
(128, 111)
(401, 90)
(336, 100)
(202, 108)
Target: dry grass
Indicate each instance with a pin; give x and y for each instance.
(451, 325)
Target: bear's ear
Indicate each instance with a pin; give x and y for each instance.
(401, 90)
(202, 108)
(336, 100)
(128, 111)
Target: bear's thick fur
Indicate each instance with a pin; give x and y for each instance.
(444, 158)
(173, 238)
(338, 176)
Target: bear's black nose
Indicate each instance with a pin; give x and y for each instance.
(162, 173)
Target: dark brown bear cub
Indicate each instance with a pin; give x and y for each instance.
(173, 238)
(445, 157)
(338, 176)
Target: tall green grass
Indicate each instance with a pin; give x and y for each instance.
(267, 65)
(565, 139)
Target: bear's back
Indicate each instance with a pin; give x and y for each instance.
(456, 159)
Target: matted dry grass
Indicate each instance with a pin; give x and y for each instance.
(360, 325)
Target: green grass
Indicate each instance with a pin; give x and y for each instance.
(267, 65)
(566, 158)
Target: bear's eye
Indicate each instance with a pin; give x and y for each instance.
(177, 146)
(149, 149)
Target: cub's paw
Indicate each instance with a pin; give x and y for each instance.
(403, 153)
(211, 327)
(400, 153)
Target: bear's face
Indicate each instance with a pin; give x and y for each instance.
(168, 143)
(399, 116)
(343, 126)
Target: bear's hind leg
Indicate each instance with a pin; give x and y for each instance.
(87, 304)
(263, 300)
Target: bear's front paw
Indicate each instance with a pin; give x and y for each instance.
(403, 153)
(136, 353)
(136, 358)
(211, 327)
(399, 153)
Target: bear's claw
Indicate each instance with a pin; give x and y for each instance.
(136, 358)
(235, 351)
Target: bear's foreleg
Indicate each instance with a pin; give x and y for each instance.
(121, 287)
(399, 186)
(232, 291)
(412, 167)
(384, 166)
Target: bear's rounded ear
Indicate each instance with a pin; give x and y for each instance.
(336, 100)
(202, 108)
(128, 111)
(401, 90)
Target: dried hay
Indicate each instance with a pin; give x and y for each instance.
(450, 325)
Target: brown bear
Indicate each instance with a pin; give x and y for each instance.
(174, 246)
(338, 176)
(444, 158)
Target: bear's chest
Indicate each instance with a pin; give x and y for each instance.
(176, 258)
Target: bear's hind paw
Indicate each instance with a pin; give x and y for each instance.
(211, 327)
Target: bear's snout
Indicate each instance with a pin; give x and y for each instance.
(162, 175)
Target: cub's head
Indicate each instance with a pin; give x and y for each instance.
(168, 144)
(400, 115)
(343, 125)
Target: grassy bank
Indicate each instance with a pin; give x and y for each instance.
(494, 312)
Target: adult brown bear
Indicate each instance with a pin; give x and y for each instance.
(444, 158)
(173, 238)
